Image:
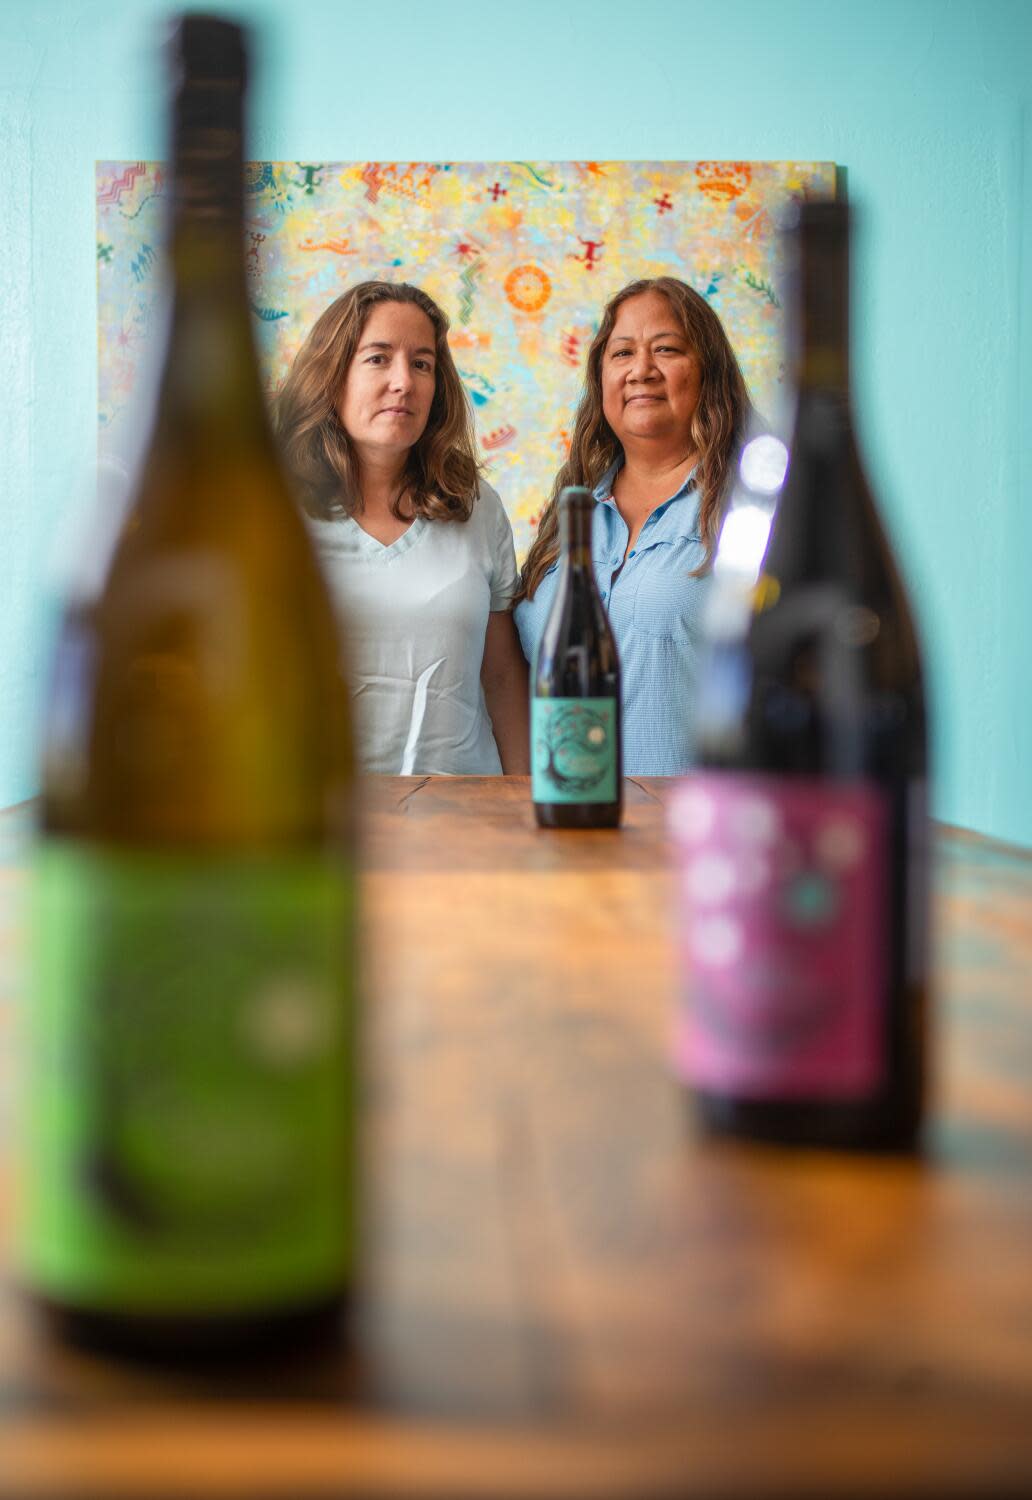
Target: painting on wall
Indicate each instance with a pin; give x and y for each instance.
(521, 256)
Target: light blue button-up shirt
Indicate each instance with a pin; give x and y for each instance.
(655, 608)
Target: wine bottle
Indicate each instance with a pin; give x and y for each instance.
(189, 1180)
(804, 834)
(575, 734)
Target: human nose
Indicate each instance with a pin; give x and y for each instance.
(643, 366)
(401, 375)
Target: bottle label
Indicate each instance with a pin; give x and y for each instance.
(573, 742)
(191, 1087)
(783, 884)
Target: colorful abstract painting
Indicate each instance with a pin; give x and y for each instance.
(521, 256)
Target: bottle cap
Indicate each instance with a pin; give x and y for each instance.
(209, 49)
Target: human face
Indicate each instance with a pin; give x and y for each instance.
(651, 379)
(389, 387)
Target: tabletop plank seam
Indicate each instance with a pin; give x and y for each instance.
(400, 806)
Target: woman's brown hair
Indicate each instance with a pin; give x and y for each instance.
(716, 431)
(442, 472)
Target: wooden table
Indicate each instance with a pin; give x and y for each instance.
(566, 1290)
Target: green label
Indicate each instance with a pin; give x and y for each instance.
(573, 743)
(191, 1091)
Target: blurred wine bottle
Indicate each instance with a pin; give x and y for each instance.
(804, 835)
(190, 1100)
(576, 763)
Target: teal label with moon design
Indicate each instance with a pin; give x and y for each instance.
(573, 745)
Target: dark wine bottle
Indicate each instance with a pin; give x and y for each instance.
(189, 1180)
(804, 834)
(575, 732)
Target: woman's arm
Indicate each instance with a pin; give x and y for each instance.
(506, 690)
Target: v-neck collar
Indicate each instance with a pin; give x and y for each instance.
(377, 551)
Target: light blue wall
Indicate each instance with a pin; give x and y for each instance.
(927, 103)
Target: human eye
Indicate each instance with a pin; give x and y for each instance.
(424, 364)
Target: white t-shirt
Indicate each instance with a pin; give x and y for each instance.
(414, 620)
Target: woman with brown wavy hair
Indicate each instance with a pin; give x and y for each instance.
(376, 429)
(656, 438)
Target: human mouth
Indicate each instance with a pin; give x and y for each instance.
(397, 411)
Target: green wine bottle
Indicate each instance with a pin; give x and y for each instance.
(189, 1182)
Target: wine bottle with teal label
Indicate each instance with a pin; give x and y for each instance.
(576, 762)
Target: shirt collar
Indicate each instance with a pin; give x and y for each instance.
(603, 491)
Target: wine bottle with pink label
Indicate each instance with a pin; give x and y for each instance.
(803, 837)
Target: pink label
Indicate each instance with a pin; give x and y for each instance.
(782, 895)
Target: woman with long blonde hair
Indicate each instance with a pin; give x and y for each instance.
(655, 437)
(376, 429)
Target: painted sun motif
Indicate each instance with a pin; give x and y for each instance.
(528, 288)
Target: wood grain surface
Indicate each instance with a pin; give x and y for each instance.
(565, 1289)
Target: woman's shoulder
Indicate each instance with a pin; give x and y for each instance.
(489, 518)
(489, 503)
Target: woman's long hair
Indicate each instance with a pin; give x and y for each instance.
(716, 430)
(442, 471)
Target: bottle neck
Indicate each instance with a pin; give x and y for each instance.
(211, 353)
(824, 512)
(208, 180)
(823, 363)
(575, 535)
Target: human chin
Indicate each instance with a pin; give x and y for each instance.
(390, 437)
(645, 416)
